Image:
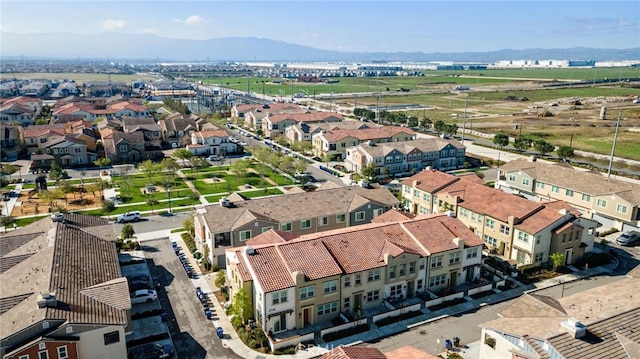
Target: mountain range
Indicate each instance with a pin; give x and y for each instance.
(251, 49)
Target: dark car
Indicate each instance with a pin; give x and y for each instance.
(151, 351)
(139, 284)
(628, 238)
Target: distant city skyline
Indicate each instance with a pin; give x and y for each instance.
(351, 26)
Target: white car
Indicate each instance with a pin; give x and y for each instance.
(129, 217)
(143, 296)
(57, 217)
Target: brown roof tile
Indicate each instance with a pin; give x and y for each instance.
(271, 272)
(343, 352)
(364, 134)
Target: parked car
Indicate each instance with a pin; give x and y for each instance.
(129, 217)
(213, 158)
(57, 217)
(151, 350)
(139, 285)
(143, 295)
(628, 238)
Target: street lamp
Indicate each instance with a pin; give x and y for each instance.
(169, 193)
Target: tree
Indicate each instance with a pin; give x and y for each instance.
(151, 202)
(221, 279)
(102, 162)
(127, 231)
(565, 152)
(501, 140)
(439, 126)
(241, 305)
(369, 171)
(240, 167)
(188, 225)
(522, 143)
(426, 123)
(557, 259)
(149, 168)
(183, 154)
(543, 146)
(300, 165)
(108, 207)
(57, 173)
(66, 187)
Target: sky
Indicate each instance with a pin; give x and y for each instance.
(353, 26)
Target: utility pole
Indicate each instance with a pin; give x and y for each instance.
(464, 118)
(613, 147)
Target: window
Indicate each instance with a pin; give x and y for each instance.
(419, 284)
(412, 267)
(505, 229)
(112, 337)
(454, 258)
(286, 227)
(373, 275)
(330, 286)
(621, 208)
(26, 356)
(490, 223)
(323, 221)
(264, 229)
(373, 296)
(538, 257)
(359, 216)
(244, 235)
(601, 203)
(472, 253)
(555, 189)
(327, 308)
(43, 355)
(416, 193)
(340, 218)
(473, 216)
(568, 193)
(540, 185)
(436, 262)
(377, 212)
(358, 280)
(392, 272)
(586, 198)
(395, 290)
(422, 262)
(77, 150)
(490, 241)
(279, 297)
(523, 237)
(305, 223)
(512, 178)
(347, 281)
(525, 181)
(463, 212)
(403, 269)
(62, 352)
(307, 292)
(426, 197)
(123, 148)
(437, 280)
(521, 257)
(347, 303)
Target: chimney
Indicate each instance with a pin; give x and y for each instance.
(574, 327)
(249, 250)
(415, 183)
(47, 300)
(563, 211)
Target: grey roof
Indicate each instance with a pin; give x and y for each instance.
(423, 145)
(296, 206)
(69, 260)
(580, 181)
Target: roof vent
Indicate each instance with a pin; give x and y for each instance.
(563, 211)
(250, 250)
(47, 300)
(225, 202)
(370, 143)
(534, 158)
(364, 184)
(451, 214)
(574, 327)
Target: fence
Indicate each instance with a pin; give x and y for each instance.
(289, 342)
(411, 308)
(340, 327)
(443, 299)
(484, 288)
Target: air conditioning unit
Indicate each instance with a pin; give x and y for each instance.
(574, 327)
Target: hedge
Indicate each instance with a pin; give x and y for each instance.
(329, 337)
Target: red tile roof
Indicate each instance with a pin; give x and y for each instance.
(270, 271)
(305, 117)
(271, 236)
(364, 134)
(39, 130)
(211, 133)
(550, 213)
(393, 215)
(296, 256)
(410, 352)
(430, 180)
(342, 352)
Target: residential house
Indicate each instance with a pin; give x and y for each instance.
(612, 203)
(211, 142)
(10, 139)
(253, 117)
(514, 227)
(304, 131)
(15, 113)
(65, 89)
(335, 143)
(241, 109)
(233, 222)
(360, 352)
(122, 147)
(61, 291)
(40, 135)
(106, 88)
(177, 128)
(406, 157)
(601, 322)
(35, 104)
(353, 269)
(35, 88)
(69, 150)
(274, 125)
(147, 125)
(41, 162)
(101, 109)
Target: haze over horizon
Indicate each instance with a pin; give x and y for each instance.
(351, 26)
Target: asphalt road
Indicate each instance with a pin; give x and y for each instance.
(193, 335)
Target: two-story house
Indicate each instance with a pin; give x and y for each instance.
(62, 291)
(147, 125)
(512, 226)
(35, 104)
(177, 128)
(353, 269)
(304, 131)
(254, 113)
(232, 222)
(122, 147)
(10, 138)
(211, 142)
(335, 143)
(15, 113)
(406, 157)
(69, 151)
(276, 124)
(117, 108)
(612, 203)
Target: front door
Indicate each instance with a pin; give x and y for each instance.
(568, 253)
(357, 302)
(306, 315)
(470, 273)
(410, 286)
(452, 278)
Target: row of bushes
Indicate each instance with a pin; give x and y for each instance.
(595, 260)
(607, 232)
(329, 337)
(188, 240)
(530, 269)
(446, 304)
(397, 318)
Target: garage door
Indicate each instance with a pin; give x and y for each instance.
(628, 227)
(605, 222)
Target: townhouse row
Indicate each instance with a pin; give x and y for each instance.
(511, 226)
(295, 282)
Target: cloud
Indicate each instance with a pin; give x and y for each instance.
(110, 24)
(193, 20)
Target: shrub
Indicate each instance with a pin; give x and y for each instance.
(608, 232)
(490, 342)
(329, 337)
(188, 240)
(237, 323)
(284, 351)
(529, 269)
(446, 304)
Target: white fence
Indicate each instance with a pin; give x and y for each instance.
(393, 313)
(484, 288)
(284, 343)
(443, 299)
(340, 327)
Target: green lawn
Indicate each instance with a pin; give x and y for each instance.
(134, 193)
(21, 222)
